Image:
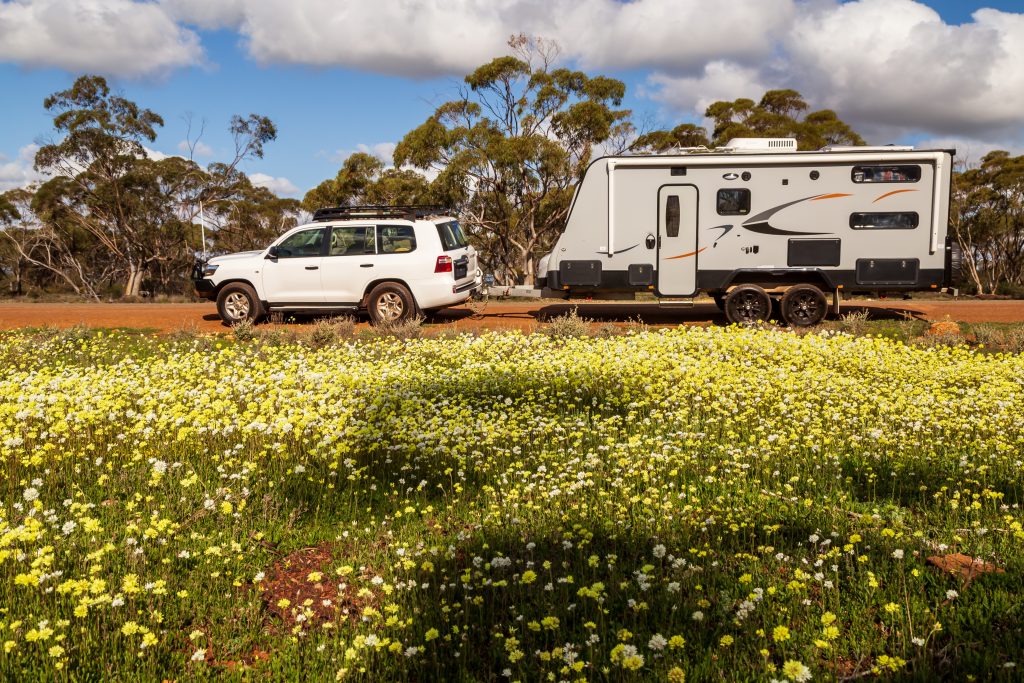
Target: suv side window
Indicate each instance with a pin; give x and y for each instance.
(303, 244)
(350, 240)
(395, 239)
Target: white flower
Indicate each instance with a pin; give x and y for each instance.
(657, 642)
(659, 551)
(199, 655)
(411, 651)
(159, 467)
(372, 641)
(918, 641)
(30, 494)
(258, 577)
(673, 587)
(898, 554)
(68, 528)
(117, 602)
(952, 594)
(698, 616)
(299, 469)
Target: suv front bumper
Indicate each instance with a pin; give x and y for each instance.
(205, 288)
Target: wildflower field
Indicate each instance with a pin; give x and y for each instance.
(689, 504)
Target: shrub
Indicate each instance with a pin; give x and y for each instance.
(568, 325)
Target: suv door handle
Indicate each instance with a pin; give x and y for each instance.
(366, 265)
(312, 267)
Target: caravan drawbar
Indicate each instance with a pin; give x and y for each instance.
(759, 225)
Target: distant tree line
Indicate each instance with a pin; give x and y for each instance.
(505, 155)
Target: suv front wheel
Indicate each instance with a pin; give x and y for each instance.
(237, 302)
(390, 302)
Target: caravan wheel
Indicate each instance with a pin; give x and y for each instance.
(748, 304)
(804, 306)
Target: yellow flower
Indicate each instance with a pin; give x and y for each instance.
(780, 634)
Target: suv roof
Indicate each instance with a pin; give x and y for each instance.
(410, 212)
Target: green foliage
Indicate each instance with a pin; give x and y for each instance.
(779, 114)
(363, 179)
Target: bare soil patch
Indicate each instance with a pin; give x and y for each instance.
(495, 315)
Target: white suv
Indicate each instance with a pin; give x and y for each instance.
(390, 261)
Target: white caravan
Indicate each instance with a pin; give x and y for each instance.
(758, 225)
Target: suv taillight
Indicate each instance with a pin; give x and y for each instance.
(444, 264)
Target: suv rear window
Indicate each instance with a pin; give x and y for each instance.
(451, 236)
(395, 239)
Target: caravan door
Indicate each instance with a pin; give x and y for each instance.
(677, 240)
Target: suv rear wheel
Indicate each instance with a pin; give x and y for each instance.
(237, 302)
(390, 302)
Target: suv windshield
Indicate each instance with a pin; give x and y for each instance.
(451, 236)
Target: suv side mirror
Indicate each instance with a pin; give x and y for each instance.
(272, 253)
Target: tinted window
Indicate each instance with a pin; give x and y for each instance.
(903, 220)
(672, 216)
(886, 174)
(350, 240)
(304, 243)
(395, 239)
(734, 202)
(451, 236)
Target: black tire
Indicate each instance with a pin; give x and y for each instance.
(237, 302)
(748, 305)
(390, 302)
(804, 306)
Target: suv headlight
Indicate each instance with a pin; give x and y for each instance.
(209, 269)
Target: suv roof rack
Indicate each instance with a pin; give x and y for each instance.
(408, 212)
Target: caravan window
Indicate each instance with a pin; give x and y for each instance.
(734, 202)
(903, 220)
(886, 174)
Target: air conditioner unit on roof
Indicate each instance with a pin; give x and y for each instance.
(761, 145)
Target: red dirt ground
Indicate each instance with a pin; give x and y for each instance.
(496, 315)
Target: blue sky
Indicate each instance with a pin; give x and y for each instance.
(336, 80)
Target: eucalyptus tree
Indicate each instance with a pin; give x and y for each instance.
(510, 149)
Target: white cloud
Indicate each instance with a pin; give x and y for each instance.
(19, 172)
(969, 151)
(439, 37)
(114, 37)
(199, 149)
(385, 151)
(888, 67)
(207, 14)
(156, 155)
(279, 186)
(895, 63)
(671, 35)
(719, 81)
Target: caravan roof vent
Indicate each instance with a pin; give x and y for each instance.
(761, 145)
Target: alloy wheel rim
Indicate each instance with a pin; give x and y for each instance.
(390, 306)
(237, 305)
(749, 307)
(805, 307)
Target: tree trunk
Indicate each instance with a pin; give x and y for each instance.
(133, 288)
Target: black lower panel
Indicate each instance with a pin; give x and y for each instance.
(711, 280)
(580, 273)
(640, 274)
(714, 280)
(887, 271)
(813, 252)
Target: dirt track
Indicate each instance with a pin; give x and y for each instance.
(496, 315)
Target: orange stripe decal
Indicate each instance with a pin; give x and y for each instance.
(692, 253)
(889, 194)
(831, 196)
